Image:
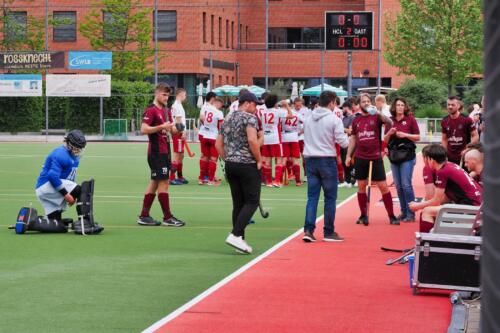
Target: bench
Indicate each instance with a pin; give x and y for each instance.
(455, 219)
(54, 131)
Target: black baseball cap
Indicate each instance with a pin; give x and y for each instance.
(249, 97)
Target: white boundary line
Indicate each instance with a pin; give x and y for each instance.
(229, 278)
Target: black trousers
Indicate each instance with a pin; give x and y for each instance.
(347, 170)
(244, 180)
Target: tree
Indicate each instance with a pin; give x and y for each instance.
(438, 39)
(122, 26)
(19, 30)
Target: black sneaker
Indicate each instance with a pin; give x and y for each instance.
(409, 218)
(173, 222)
(148, 221)
(393, 220)
(401, 217)
(363, 219)
(308, 237)
(333, 238)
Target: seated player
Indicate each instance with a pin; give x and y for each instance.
(213, 119)
(428, 174)
(290, 142)
(453, 184)
(56, 188)
(473, 161)
(271, 118)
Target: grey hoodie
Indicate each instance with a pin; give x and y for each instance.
(322, 129)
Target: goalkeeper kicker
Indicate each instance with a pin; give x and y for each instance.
(56, 189)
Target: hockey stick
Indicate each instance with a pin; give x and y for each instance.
(285, 175)
(401, 258)
(369, 191)
(190, 154)
(388, 249)
(264, 213)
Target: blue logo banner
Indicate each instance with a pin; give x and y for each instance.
(90, 60)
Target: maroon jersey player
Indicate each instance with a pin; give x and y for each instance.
(366, 139)
(452, 183)
(157, 123)
(457, 130)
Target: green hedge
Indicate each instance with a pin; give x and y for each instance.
(422, 95)
(27, 114)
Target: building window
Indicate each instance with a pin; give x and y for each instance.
(204, 27)
(220, 31)
(227, 33)
(220, 80)
(64, 27)
(16, 24)
(113, 27)
(212, 24)
(232, 34)
(167, 25)
(296, 38)
(227, 79)
(247, 34)
(240, 39)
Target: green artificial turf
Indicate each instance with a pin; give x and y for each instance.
(130, 276)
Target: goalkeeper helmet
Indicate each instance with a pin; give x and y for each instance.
(75, 141)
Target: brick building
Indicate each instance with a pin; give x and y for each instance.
(226, 39)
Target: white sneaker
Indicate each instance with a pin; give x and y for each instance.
(348, 185)
(238, 243)
(343, 184)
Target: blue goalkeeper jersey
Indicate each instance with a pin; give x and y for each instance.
(60, 164)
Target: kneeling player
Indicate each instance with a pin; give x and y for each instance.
(271, 118)
(56, 188)
(291, 149)
(213, 119)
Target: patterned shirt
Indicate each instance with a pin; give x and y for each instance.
(234, 131)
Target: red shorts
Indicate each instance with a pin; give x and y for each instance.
(178, 143)
(200, 137)
(208, 148)
(301, 146)
(291, 149)
(271, 150)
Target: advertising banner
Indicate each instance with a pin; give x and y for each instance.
(20, 85)
(80, 85)
(90, 60)
(31, 60)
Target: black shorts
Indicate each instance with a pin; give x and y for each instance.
(159, 165)
(362, 167)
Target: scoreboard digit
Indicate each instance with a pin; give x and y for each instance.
(349, 31)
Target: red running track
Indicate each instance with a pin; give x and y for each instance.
(325, 287)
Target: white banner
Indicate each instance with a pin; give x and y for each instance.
(80, 85)
(16, 85)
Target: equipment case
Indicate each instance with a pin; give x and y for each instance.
(446, 262)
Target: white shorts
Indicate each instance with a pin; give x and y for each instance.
(51, 199)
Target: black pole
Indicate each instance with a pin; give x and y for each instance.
(490, 263)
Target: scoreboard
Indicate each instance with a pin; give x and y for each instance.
(348, 31)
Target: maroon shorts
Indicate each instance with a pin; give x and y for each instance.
(291, 149)
(178, 142)
(271, 150)
(301, 146)
(208, 148)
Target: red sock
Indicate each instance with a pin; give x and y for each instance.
(340, 169)
(165, 205)
(362, 202)
(387, 198)
(304, 166)
(296, 172)
(289, 167)
(212, 167)
(173, 170)
(147, 203)
(268, 175)
(203, 169)
(278, 173)
(179, 170)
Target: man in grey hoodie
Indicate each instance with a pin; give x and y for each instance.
(322, 129)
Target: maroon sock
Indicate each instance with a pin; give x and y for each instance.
(387, 198)
(165, 205)
(173, 170)
(362, 201)
(296, 172)
(147, 203)
(179, 170)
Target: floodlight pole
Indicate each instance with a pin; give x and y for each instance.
(267, 45)
(379, 53)
(322, 70)
(349, 73)
(156, 41)
(46, 71)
